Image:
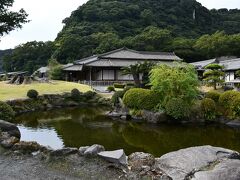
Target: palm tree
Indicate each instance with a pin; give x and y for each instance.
(136, 69)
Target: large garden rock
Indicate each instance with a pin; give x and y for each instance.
(83, 149)
(118, 156)
(184, 163)
(94, 150)
(235, 123)
(154, 117)
(226, 170)
(139, 160)
(10, 128)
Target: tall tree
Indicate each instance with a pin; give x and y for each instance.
(10, 20)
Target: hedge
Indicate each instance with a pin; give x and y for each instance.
(177, 108)
(137, 98)
(227, 98)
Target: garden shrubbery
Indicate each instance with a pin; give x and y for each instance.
(6, 111)
(32, 93)
(137, 98)
(117, 85)
(226, 98)
(76, 94)
(236, 106)
(208, 107)
(214, 95)
(116, 96)
(110, 88)
(119, 94)
(177, 108)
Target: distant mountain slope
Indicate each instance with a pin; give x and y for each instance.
(102, 25)
(3, 53)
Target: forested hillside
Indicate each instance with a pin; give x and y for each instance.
(2, 54)
(184, 26)
(102, 25)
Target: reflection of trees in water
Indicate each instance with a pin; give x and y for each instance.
(87, 126)
(170, 138)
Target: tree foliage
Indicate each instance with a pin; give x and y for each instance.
(29, 56)
(10, 20)
(213, 75)
(156, 25)
(175, 82)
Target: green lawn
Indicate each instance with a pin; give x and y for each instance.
(8, 92)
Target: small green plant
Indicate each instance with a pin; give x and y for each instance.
(214, 95)
(208, 107)
(75, 94)
(6, 111)
(177, 108)
(137, 98)
(32, 93)
(117, 85)
(236, 107)
(110, 88)
(116, 96)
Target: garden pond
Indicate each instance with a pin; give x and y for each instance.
(75, 127)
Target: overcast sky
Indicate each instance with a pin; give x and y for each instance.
(46, 18)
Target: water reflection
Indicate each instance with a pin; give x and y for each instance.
(86, 126)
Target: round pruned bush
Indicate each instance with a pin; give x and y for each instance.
(208, 107)
(227, 98)
(177, 108)
(137, 98)
(6, 111)
(236, 107)
(89, 94)
(75, 94)
(214, 95)
(110, 88)
(32, 93)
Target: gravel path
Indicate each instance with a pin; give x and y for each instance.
(28, 167)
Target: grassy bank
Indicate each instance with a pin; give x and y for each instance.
(9, 91)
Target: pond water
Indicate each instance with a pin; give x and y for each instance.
(77, 127)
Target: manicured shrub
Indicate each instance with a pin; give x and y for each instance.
(137, 98)
(177, 108)
(214, 95)
(236, 107)
(110, 88)
(32, 93)
(6, 111)
(117, 85)
(75, 94)
(89, 94)
(116, 96)
(208, 107)
(227, 98)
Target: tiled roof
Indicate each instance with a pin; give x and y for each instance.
(233, 64)
(118, 63)
(229, 64)
(74, 67)
(125, 53)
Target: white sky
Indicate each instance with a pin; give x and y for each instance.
(46, 18)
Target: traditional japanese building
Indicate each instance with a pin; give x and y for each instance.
(107, 66)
